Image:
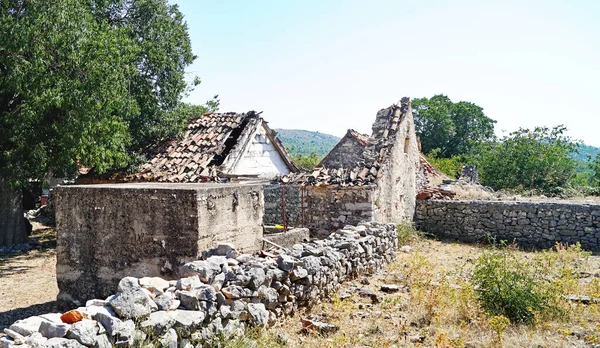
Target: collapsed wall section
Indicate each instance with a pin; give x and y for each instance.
(530, 224)
(107, 232)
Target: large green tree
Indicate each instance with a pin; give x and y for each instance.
(87, 82)
(538, 159)
(451, 128)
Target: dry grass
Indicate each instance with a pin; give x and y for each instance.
(437, 306)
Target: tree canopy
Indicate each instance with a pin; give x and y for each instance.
(90, 83)
(452, 128)
(538, 159)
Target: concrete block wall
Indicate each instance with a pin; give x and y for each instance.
(530, 224)
(107, 232)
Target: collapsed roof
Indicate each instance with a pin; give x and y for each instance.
(209, 141)
(376, 149)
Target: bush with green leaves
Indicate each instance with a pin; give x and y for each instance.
(406, 231)
(451, 166)
(536, 160)
(504, 286)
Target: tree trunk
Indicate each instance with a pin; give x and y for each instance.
(12, 224)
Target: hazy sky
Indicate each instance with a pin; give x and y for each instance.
(331, 65)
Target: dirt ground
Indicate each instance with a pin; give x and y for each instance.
(28, 282)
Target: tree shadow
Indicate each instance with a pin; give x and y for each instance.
(10, 316)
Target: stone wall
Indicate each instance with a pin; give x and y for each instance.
(273, 204)
(107, 232)
(218, 296)
(530, 224)
(396, 187)
(329, 208)
(347, 153)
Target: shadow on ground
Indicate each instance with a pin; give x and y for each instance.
(9, 317)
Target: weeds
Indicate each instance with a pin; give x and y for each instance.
(406, 233)
(506, 286)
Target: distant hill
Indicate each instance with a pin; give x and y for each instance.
(304, 142)
(585, 151)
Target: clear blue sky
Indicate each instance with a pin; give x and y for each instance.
(331, 65)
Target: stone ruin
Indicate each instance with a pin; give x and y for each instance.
(218, 295)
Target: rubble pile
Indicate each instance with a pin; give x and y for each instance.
(345, 177)
(217, 296)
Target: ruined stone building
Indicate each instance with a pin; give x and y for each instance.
(348, 152)
(361, 179)
(227, 144)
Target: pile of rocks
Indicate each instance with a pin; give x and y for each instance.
(218, 296)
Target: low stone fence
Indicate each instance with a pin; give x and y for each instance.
(220, 294)
(530, 224)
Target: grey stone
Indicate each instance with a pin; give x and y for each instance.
(128, 283)
(205, 293)
(154, 283)
(27, 326)
(102, 341)
(218, 281)
(286, 263)
(312, 264)
(84, 332)
(132, 303)
(258, 313)
(298, 273)
(160, 322)
(36, 340)
(257, 278)
(50, 330)
(233, 292)
(115, 327)
(205, 270)
(189, 300)
(59, 342)
(189, 282)
(168, 340)
(164, 301)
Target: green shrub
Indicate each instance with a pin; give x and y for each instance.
(406, 232)
(504, 286)
(452, 166)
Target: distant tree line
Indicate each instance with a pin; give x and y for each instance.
(538, 161)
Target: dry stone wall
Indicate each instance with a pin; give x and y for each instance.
(218, 295)
(531, 224)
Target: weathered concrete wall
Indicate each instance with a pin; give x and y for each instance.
(332, 207)
(347, 153)
(106, 232)
(289, 238)
(12, 228)
(395, 196)
(532, 224)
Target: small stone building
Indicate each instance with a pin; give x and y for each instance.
(348, 152)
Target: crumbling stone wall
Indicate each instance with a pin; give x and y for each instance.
(292, 202)
(530, 224)
(218, 296)
(107, 232)
(332, 207)
(396, 187)
(347, 153)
